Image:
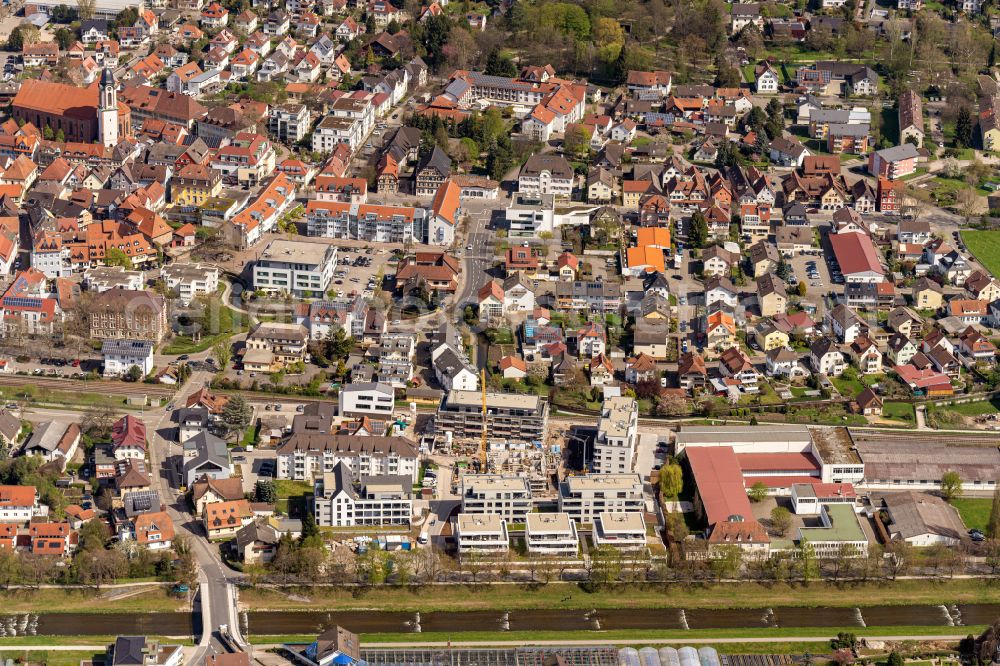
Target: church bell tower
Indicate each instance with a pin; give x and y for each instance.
(107, 109)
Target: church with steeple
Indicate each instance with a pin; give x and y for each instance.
(85, 115)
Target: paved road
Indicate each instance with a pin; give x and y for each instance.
(216, 592)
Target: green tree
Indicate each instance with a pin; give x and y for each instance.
(64, 38)
(498, 64)
(963, 128)
(133, 374)
(577, 140)
(605, 566)
(951, 485)
(895, 659)
(775, 118)
(726, 76)
(698, 234)
(993, 526)
(781, 520)
(808, 563)
(264, 491)
(726, 561)
(671, 480)
(223, 353)
(309, 527)
(117, 257)
(236, 415)
(801, 288)
(757, 492)
(15, 40)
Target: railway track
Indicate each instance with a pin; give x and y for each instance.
(87, 386)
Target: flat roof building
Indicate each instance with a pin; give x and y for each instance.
(839, 533)
(506, 496)
(585, 497)
(624, 530)
(509, 416)
(296, 267)
(481, 534)
(617, 431)
(551, 534)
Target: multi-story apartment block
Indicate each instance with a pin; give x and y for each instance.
(586, 497)
(191, 280)
(551, 534)
(372, 400)
(289, 123)
(294, 267)
(272, 345)
(617, 431)
(306, 456)
(248, 160)
(624, 530)
(547, 174)
(367, 222)
(339, 501)
(481, 534)
(126, 314)
(508, 416)
(506, 496)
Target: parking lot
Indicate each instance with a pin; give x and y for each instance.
(815, 271)
(357, 270)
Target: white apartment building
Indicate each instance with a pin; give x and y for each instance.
(624, 530)
(191, 280)
(376, 500)
(306, 456)
(506, 496)
(102, 278)
(374, 400)
(617, 431)
(481, 534)
(551, 534)
(121, 355)
(349, 121)
(586, 497)
(289, 123)
(545, 173)
(299, 268)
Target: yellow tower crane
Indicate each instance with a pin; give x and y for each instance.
(482, 439)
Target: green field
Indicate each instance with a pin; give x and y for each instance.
(985, 246)
(53, 600)
(977, 408)
(900, 411)
(975, 511)
(563, 596)
(849, 388)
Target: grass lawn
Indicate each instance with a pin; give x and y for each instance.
(901, 411)
(292, 496)
(155, 599)
(977, 408)
(571, 596)
(985, 246)
(975, 511)
(849, 388)
(55, 657)
(221, 328)
(286, 488)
